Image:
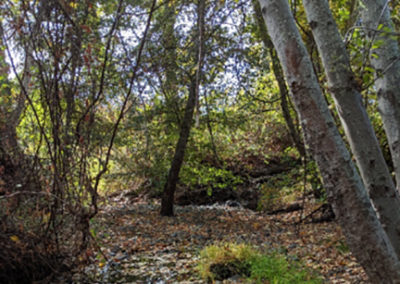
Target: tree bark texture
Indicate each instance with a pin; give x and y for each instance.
(386, 61)
(167, 202)
(364, 233)
(354, 118)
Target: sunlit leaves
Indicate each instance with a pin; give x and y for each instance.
(15, 238)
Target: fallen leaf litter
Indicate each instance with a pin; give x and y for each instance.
(140, 246)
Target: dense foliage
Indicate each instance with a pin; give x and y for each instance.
(92, 97)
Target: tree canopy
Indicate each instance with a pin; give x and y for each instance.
(172, 98)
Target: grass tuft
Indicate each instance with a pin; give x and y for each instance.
(227, 260)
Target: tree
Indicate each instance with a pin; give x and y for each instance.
(276, 68)
(173, 175)
(345, 189)
(385, 54)
(169, 61)
(13, 105)
(70, 70)
(357, 126)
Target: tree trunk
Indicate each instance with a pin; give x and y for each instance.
(278, 73)
(10, 117)
(354, 117)
(364, 233)
(385, 60)
(167, 202)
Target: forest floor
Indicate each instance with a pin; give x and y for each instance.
(140, 246)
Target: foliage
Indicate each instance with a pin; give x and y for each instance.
(209, 177)
(143, 155)
(50, 177)
(219, 262)
(290, 185)
(82, 71)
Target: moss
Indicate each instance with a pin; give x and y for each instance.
(224, 261)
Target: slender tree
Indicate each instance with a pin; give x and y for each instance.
(12, 115)
(365, 235)
(9, 116)
(13, 104)
(277, 70)
(167, 201)
(385, 58)
(354, 117)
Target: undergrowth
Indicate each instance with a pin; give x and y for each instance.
(223, 261)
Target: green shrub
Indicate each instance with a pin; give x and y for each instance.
(197, 175)
(277, 269)
(219, 262)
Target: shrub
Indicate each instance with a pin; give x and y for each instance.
(219, 262)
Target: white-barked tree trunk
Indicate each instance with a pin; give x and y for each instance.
(385, 58)
(354, 118)
(365, 235)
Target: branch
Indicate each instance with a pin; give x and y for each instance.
(124, 105)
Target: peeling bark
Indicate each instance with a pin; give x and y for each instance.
(365, 235)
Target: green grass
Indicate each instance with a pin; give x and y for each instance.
(219, 262)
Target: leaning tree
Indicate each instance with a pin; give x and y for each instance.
(373, 240)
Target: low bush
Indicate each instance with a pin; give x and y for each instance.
(228, 260)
